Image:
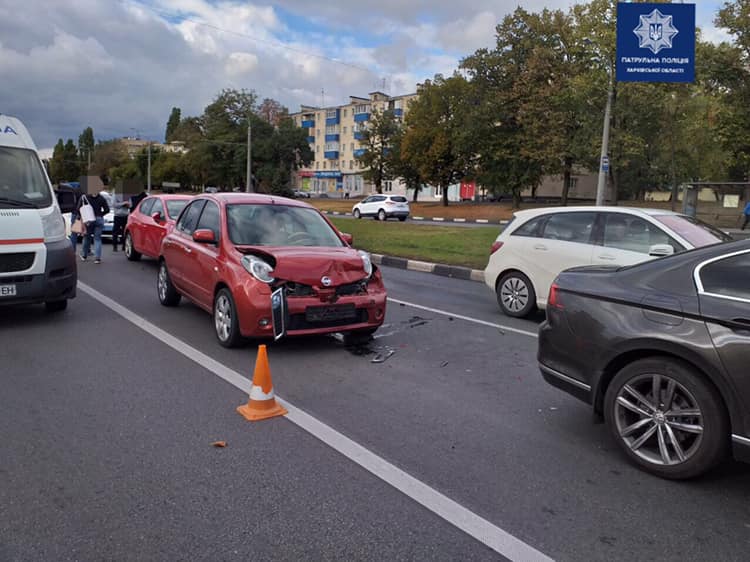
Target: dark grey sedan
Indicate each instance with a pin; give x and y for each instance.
(662, 350)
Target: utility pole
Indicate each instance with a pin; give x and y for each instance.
(88, 169)
(148, 173)
(604, 159)
(249, 184)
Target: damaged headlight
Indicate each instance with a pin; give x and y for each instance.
(258, 268)
(366, 262)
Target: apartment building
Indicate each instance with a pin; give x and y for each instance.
(134, 146)
(334, 134)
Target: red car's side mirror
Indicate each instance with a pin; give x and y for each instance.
(348, 238)
(204, 235)
(156, 216)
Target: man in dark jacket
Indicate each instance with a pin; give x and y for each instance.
(94, 228)
(135, 199)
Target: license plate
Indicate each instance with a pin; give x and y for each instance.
(330, 313)
(7, 290)
(278, 313)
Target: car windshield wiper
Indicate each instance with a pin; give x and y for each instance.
(4, 201)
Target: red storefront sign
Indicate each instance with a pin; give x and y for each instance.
(468, 189)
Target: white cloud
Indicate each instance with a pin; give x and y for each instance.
(239, 64)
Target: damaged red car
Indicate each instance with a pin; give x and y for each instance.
(268, 267)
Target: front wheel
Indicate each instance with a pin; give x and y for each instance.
(130, 252)
(357, 214)
(381, 215)
(226, 323)
(168, 295)
(667, 418)
(515, 295)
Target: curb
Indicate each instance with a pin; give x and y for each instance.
(454, 271)
(428, 219)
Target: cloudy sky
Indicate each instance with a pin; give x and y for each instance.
(120, 65)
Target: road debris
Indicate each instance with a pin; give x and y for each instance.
(219, 444)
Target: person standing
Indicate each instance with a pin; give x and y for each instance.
(121, 210)
(747, 215)
(94, 228)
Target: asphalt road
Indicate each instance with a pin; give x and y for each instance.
(106, 442)
(430, 222)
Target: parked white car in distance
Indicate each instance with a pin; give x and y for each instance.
(382, 207)
(540, 243)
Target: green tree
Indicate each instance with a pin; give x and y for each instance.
(86, 146)
(402, 167)
(108, 155)
(272, 111)
(57, 163)
(439, 140)
(71, 163)
(376, 141)
(172, 123)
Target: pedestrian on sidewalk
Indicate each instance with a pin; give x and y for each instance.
(747, 215)
(121, 210)
(94, 228)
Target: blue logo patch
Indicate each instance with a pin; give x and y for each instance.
(9, 130)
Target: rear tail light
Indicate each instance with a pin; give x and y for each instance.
(389, 203)
(553, 300)
(496, 245)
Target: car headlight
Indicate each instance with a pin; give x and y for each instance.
(366, 262)
(258, 268)
(53, 226)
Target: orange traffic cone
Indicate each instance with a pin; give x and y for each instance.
(262, 403)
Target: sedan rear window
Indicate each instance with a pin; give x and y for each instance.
(398, 199)
(729, 277)
(696, 232)
(279, 225)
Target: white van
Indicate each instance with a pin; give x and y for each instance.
(37, 263)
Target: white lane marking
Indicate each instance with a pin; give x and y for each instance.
(467, 318)
(483, 221)
(454, 513)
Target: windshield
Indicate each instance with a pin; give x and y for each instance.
(22, 180)
(175, 207)
(279, 225)
(696, 232)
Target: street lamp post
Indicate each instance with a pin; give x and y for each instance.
(601, 185)
(249, 170)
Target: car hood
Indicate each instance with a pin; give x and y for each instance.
(308, 265)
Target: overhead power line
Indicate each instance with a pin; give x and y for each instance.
(278, 44)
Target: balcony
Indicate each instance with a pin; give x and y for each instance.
(308, 123)
(332, 137)
(398, 112)
(359, 135)
(311, 139)
(359, 152)
(361, 117)
(334, 120)
(331, 154)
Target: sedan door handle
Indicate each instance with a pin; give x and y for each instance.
(188, 250)
(607, 257)
(741, 323)
(540, 247)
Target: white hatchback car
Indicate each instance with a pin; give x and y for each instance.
(382, 207)
(538, 244)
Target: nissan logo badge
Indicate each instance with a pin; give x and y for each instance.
(326, 281)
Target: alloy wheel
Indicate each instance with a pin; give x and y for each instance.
(514, 294)
(223, 317)
(162, 282)
(658, 419)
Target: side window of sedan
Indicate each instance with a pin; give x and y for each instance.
(189, 218)
(530, 228)
(157, 207)
(570, 227)
(210, 219)
(146, 205)
(729, 277)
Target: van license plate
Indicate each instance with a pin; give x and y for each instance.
(7, 291)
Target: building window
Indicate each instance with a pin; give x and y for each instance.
(344, 130)
(317, 165)
(332, 147)
(344, 115)
(352, 147)
(317, 132)
(388, 186)
(572, 182)
(331, 113)
(317, 149)
(362, 108)
(324, 164)
(332, 130)
(351, 164)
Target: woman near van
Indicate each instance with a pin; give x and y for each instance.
(94, 228)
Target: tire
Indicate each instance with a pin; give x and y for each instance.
(226, 323)
(402, 219)
(130, 252)
(357, 214)
(381, 215)
(515, 295)
(687, 452)
(168, 295)
(56, 306)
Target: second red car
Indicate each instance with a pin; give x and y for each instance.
(149, 223)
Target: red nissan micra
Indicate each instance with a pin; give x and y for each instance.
(149, 223)
(268, 266)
